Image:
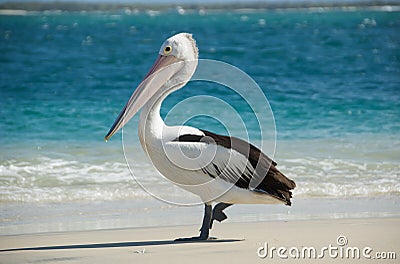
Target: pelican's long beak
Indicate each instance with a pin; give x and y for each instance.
(162, 70)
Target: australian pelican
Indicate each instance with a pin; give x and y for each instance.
(219, 169)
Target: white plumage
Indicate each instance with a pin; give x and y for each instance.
(216, 168)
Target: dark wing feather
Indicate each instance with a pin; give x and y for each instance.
(273, 181)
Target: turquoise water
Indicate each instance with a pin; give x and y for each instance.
(332, 79)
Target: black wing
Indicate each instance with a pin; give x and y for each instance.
(273, 181)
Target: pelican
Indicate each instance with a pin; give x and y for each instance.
(221, 170)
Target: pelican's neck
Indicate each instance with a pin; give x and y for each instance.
(150, 121)
(151, 125)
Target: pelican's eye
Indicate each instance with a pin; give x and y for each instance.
(167, 50)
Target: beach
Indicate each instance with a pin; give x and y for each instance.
(145, 233)
(333, 121)
(367, 238)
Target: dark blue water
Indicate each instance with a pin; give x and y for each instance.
(328, 76)
(325, 74)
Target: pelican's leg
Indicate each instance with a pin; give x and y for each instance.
(205, 227)
(218, 214)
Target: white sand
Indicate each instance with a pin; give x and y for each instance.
(156, 245)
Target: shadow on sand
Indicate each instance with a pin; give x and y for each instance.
(121, 244)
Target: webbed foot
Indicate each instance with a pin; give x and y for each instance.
(196, 238)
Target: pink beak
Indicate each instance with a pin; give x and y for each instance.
(162, 70)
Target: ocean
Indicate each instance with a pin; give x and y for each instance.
(331, 77)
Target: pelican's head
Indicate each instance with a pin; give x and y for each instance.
(182, 46)
(175, 65)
